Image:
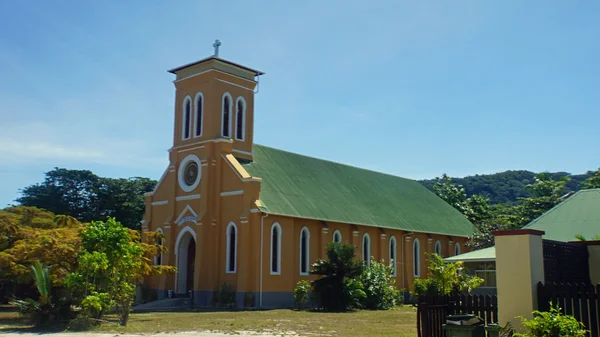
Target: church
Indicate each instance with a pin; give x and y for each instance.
(256, 217)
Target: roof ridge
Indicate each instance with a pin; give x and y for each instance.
(334, 162)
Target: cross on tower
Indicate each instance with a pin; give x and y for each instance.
(216, 46)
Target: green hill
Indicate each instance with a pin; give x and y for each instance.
(508, 186)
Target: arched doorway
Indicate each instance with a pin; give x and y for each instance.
(186, 260)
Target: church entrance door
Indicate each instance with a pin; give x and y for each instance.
(186, 261)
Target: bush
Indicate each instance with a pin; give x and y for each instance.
(552, 324)
(301, 293)
(445, 278)
(224, 296)
(379, 287)
(339, 288)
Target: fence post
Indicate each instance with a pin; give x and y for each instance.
(519, 268)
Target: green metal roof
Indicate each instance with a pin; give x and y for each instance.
(482, 255)
(578, 214)
(299, 186)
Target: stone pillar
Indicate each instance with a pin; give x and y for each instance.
(356, 241)
(519, 268)
(407, 263)
(450, 248)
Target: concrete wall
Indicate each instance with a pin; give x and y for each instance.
(594, 260)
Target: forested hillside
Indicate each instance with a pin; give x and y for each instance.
(508, 186)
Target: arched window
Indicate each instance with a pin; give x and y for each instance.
(231, 248)
(457, 249)
(366, 249)
(393, 255)
(438, 248)
(226, 127)
(198, 114)
(159, 241)
(304, 250)
(240, 119)
(416, 258)
(275, 249)
(186, 122)
(337, 236)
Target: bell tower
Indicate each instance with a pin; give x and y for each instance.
(214, 99)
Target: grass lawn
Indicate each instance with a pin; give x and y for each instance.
(397, 322)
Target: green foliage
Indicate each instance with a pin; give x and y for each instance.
(445, 278)
(224, 297)
(339, 288)
(301, 293)
(83, 195)
(112, 262)
(44, 309)
(476, 208)
(583, 238)
(379, 286)
(552, 324)
(593, 181)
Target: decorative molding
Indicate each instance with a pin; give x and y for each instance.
(235, 85)
(254, 210)
(355, 233)
(186, 209)
(218, 140)
(325, 230)
(215, 70)
(161, 202)
(228, 193)
(167, 226)
(191, 148)
(241, 152)
(519, 232)
(243, 221)
(383, 236)
(188, 197)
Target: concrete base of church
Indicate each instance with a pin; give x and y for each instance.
(272, 300)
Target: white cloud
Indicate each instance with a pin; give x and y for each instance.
(27, 143)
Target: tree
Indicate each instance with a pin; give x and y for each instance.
(580, 237)
(476, 208)
(29, 234)
(338, 289)
(445, 278)
(83, 195)
(545, 194)
(593, 181)
(113, 261)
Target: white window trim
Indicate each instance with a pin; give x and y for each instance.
(307, 231)
(457, 249)
(196, 134)
(223, 114)
(180, 173)
(243, 118)
(417, 258)
(367, 259)
(278, 272)
(231, 225)
(393, 259)
(437, 248)
(337, 231)
(185, 100)
(161, 242)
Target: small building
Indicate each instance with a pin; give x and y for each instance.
(257, 217)
(578, 214)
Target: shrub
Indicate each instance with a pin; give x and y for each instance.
(552, 324)
(224, 296)
(445, 278)
(379, 287)
(301, 293)
(339, 288)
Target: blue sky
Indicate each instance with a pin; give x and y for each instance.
(413, 89)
